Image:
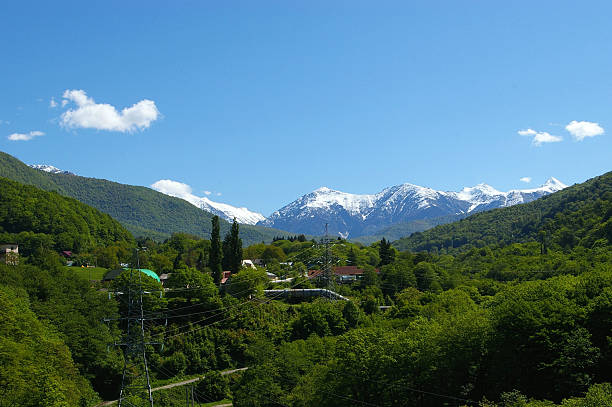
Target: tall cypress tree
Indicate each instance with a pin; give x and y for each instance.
(232, 249)
(386, 252)
(216, 255)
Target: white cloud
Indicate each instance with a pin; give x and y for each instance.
(540, 137)
(526, 179)
(52, 103)
(528, 132)
(207, 192)
(102, 116)
(582, 130)
(218, 194)
(25, 136)
(173, 188)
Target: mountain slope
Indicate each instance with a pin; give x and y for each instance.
(224, 211)
(62, 223)
(51, 169)
(351, 215)
(577, 215)
(141, 210)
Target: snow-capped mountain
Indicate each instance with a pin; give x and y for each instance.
(50, 169)
(357, 215)
(229, 212)
(225, 211)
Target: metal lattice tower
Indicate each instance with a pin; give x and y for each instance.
(328, 274)
(135, 381)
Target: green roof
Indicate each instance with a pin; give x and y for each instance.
(111, 275)
(148, 272)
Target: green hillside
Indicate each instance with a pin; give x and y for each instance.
(399, 230)
(143, 211)
(31, 216)
(576, 216)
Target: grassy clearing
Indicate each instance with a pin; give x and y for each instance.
(89, 273)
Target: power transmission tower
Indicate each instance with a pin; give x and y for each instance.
(328, 274)
(135, 381)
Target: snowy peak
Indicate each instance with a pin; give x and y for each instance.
(324, 197)
(50, 169)
(553, 185)
(225, 211)
(359, 214)
(229, 212)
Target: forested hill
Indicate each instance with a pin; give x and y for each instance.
(576, 216)
(32, 217)
(143, 211)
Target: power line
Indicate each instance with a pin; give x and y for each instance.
(135, 379)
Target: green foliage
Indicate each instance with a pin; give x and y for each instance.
(141, 210)
(248, 282)
(34, 218)
(386, 252)
(36, 367)
(321, 318)
(576, 216)
(216, 254)
(214, 386)
(232, 249)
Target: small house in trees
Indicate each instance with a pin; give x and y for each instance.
(248, 263)
(163, 278)
(225, 276)
(9, 254)
(343, 273)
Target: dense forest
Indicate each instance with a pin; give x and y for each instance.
(141, 210)
(524, 320)
(36, 219)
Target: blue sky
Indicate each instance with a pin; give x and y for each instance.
(262, 102)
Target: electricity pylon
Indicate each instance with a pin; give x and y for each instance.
(135, 380)
(328, 274)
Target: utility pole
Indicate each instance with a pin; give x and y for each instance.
(135, 381)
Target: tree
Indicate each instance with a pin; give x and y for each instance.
(351, 259)
(386, 252)
(232, 249)
(216, 256)
(247, 283)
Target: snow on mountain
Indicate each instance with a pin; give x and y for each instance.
(357, 215)
(50, 169)
(225, 211)
(229, 212)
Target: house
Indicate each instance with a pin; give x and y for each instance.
(66, 253)
(248, 263)
(343, 273)
(9, 254)
(258, 262)
(225, 276)
(163, 278)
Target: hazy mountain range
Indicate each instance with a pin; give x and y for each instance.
(396, 211)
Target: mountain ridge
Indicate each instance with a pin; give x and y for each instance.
(356, 215)
(557, 217)
(141, 210)
(223, 210)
